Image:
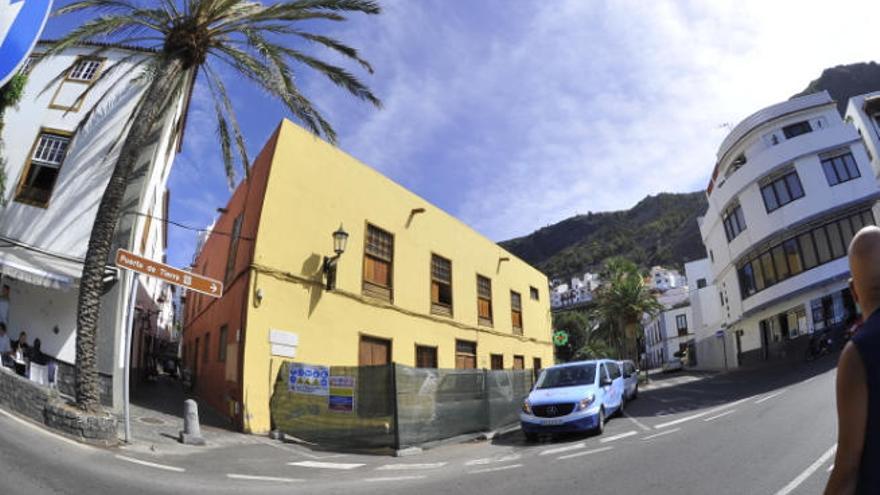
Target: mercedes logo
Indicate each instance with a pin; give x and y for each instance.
(552, 411)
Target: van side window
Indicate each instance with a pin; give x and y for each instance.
(613, 371)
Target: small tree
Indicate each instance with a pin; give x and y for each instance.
(621, 302)
(10, 95)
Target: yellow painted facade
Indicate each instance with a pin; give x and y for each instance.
(314, 187)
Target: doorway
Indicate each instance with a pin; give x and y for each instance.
(374, 351)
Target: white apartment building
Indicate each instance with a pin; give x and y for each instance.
(667, 334)
(663, 279)
(57, 167)
(792, 184)
(578, 291)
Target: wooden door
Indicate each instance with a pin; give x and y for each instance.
(519, 363)
(374, 351)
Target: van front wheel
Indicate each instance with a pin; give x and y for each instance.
(600, 427)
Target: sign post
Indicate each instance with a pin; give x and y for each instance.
(21, 23)
(138, 265)
(720, 335)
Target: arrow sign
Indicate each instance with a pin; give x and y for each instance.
(21, 22)
(192, 281)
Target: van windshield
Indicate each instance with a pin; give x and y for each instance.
(568, 376)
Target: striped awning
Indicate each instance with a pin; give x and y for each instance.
(39, 268)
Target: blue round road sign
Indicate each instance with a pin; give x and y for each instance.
(21, 22)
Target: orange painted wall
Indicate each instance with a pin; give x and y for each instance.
(218, 383)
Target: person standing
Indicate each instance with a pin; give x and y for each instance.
(5, 347)
(4, 304)
(858, 378)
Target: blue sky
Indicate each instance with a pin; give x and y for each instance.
(515, 114)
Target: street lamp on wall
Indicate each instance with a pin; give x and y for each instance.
(340, 239)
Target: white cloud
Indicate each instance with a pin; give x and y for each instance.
(562, 107)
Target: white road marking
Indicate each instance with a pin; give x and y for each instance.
(492, 470)
(492, 460)
(325, 465)
(770, 396)
(618, 437)
(394, 478)
(410, 467)
(807, 472)
(586, 452)
(637, 422)
(150, 464)
(661, 433)
(700, 415)
(282, 446)
(248, 477)
(45, 431)
(558, 450)
(830, 468)
(808, 380)
(725, 413)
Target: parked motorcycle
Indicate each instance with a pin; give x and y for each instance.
(820, 345)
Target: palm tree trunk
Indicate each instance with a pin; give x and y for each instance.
(88, 395)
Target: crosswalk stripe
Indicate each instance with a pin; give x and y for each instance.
(558, 450)
(394, 478)
(667, 432)
(325, 465)
(492, 460)
(586, 452)
(410, 467)
(618, 437)
(499, 468)
(249, 477)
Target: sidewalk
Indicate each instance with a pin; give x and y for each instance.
(660, 380)
(157, 418)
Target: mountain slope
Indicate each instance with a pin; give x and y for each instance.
(659, 230)
(845, 81)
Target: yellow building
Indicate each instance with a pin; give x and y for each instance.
(414, 285)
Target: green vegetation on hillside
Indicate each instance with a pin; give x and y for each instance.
(659, 230)
(845, 81)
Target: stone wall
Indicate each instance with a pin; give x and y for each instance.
(23, 396)
(66, 378)
(46, 406)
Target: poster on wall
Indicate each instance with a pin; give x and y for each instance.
(341, 397)
(308, 379)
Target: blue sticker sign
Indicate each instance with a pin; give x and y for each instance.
(308, 379)
(21, 22)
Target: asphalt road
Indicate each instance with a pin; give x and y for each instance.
(756, 432)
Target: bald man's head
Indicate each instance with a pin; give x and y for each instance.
(864, 263)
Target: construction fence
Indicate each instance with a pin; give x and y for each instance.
(393, 406)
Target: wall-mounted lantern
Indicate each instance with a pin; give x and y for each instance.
(340, 239)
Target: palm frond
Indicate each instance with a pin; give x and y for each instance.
(218, 90)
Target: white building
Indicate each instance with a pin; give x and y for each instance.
(663, 279)
(792, 183)
(667, 334)
(578, 291)
(57, 167)
(710, 340)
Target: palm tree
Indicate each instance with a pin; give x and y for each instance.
(621, 302)
(193, 38)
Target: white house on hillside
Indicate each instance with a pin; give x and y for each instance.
(667, 334)
(663, 279)
(710, 340)
(792, 184)
(56, 173)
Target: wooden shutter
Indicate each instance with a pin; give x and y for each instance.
(441, 285)
(519, 363)
(497, 362)
(484, 301)
(465, 354)
(516, 312)
(373, 351)
(378, 262)
(426, 357)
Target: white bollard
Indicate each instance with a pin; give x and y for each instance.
(191, 433)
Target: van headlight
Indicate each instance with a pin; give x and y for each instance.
(526, 407)
(586, 402)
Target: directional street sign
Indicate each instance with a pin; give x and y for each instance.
(192, 281)
(21, 22)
